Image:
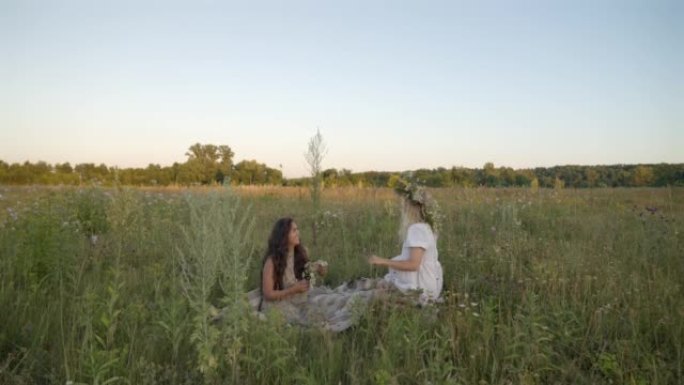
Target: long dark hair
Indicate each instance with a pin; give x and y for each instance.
(277, 250)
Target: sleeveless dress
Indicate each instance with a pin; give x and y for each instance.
(331, 309)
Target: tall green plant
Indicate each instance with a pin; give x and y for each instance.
(215, 254)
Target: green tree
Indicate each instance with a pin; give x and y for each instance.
(251, 172)
(524, 178)
(4, 170)
(39, 172)
(346, 177)
(89, 173)
(225, 165)
(591, 176)
(393, 180)
(490, 175)
(274, 176)
(534, 184)
(330, 177)
(155, 174)
(207, 164)
(202, 163)
(558, 184)
(64, 168)
(460, 177)
(507, 176)
(642, 176)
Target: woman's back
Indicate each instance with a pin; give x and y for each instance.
(428, 277)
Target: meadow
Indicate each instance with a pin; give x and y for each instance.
(542, 286)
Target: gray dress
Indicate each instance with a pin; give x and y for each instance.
(332, 309)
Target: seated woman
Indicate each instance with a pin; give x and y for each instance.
(286, 289)
(282, 274)
(417, 267)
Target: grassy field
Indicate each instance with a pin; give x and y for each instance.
(115, 286)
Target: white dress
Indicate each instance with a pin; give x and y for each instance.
(428, 277)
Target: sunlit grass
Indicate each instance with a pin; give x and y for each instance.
(541, 286)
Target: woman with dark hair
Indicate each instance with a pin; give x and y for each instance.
(287, 284)
(284, 261)
(284, 277)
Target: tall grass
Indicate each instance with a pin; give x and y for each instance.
(541, 286)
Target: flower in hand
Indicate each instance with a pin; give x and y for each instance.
(301, 286)
(313, 268)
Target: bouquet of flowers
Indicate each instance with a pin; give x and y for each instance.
(311, 269)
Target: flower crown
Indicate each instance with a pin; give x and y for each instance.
(417, 194)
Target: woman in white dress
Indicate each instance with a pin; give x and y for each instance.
(417, 267)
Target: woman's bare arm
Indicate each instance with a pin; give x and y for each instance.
(271, 294)
(411, 264)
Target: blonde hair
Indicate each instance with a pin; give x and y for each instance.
(411, 212)
(416, 194)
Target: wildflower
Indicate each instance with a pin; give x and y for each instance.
(311, 269)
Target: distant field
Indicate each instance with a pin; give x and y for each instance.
(114, 286)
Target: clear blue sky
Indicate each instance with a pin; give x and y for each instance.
(392, 85)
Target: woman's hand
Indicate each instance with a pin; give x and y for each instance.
(301, 286)
(410, 264)
(375, 260)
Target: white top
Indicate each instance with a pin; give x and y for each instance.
(428, 277)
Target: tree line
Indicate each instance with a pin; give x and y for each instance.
(209, 164)
(206, 164)
(571, 176)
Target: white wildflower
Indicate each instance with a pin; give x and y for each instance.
(311, 270)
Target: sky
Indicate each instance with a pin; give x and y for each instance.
(391, 85)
